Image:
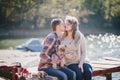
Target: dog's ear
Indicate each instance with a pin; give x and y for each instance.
(62, 46)
(62, 49)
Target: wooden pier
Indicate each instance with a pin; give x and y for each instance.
(104, 67)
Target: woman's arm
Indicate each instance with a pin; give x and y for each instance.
(80, 41)
(82, 49)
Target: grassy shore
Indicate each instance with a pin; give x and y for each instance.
(11, 43)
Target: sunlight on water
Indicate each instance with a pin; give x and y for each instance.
(107, 45)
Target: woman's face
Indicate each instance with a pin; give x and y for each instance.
(68, 26)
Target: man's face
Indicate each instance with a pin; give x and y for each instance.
(62, 26)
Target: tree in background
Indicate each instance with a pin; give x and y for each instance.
(15, 10)
(34, 14)
(107, 9)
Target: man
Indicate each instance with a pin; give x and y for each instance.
(49, 47)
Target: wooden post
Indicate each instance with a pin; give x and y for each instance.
(108, 76)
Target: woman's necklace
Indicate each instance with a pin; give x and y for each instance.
(70, 41)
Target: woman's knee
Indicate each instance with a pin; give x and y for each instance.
(77, 70)
(87, 68)
(87, 72)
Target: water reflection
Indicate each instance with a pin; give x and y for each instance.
(107, 45)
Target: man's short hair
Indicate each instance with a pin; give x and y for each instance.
(55, 22)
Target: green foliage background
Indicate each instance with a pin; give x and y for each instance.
(35, 14)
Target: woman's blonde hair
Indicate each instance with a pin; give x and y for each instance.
(72, 20)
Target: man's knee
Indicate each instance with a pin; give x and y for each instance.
(72, 76)
(63, 77)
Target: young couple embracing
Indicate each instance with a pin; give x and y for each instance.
(63, 54)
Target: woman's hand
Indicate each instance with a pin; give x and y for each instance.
(69, 56)
(81, 67)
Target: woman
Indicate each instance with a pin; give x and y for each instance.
(75, 51)
(49, 48)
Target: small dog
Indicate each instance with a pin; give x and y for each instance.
(60, 55)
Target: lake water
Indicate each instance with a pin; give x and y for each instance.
(99, 46)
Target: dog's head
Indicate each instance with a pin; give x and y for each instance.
(61, 49)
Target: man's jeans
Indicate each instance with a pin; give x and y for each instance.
(62, 73)
(86, 75)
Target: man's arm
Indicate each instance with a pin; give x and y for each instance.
(48, 44)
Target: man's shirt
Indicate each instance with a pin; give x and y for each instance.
(48, 48)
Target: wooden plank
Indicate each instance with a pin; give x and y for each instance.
(103, 66)
(106, 62)
(98, 68)
(106, 71)
(111, 59)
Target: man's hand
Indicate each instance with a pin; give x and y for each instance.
(54, 66)
(69, 56)
(55, 59)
